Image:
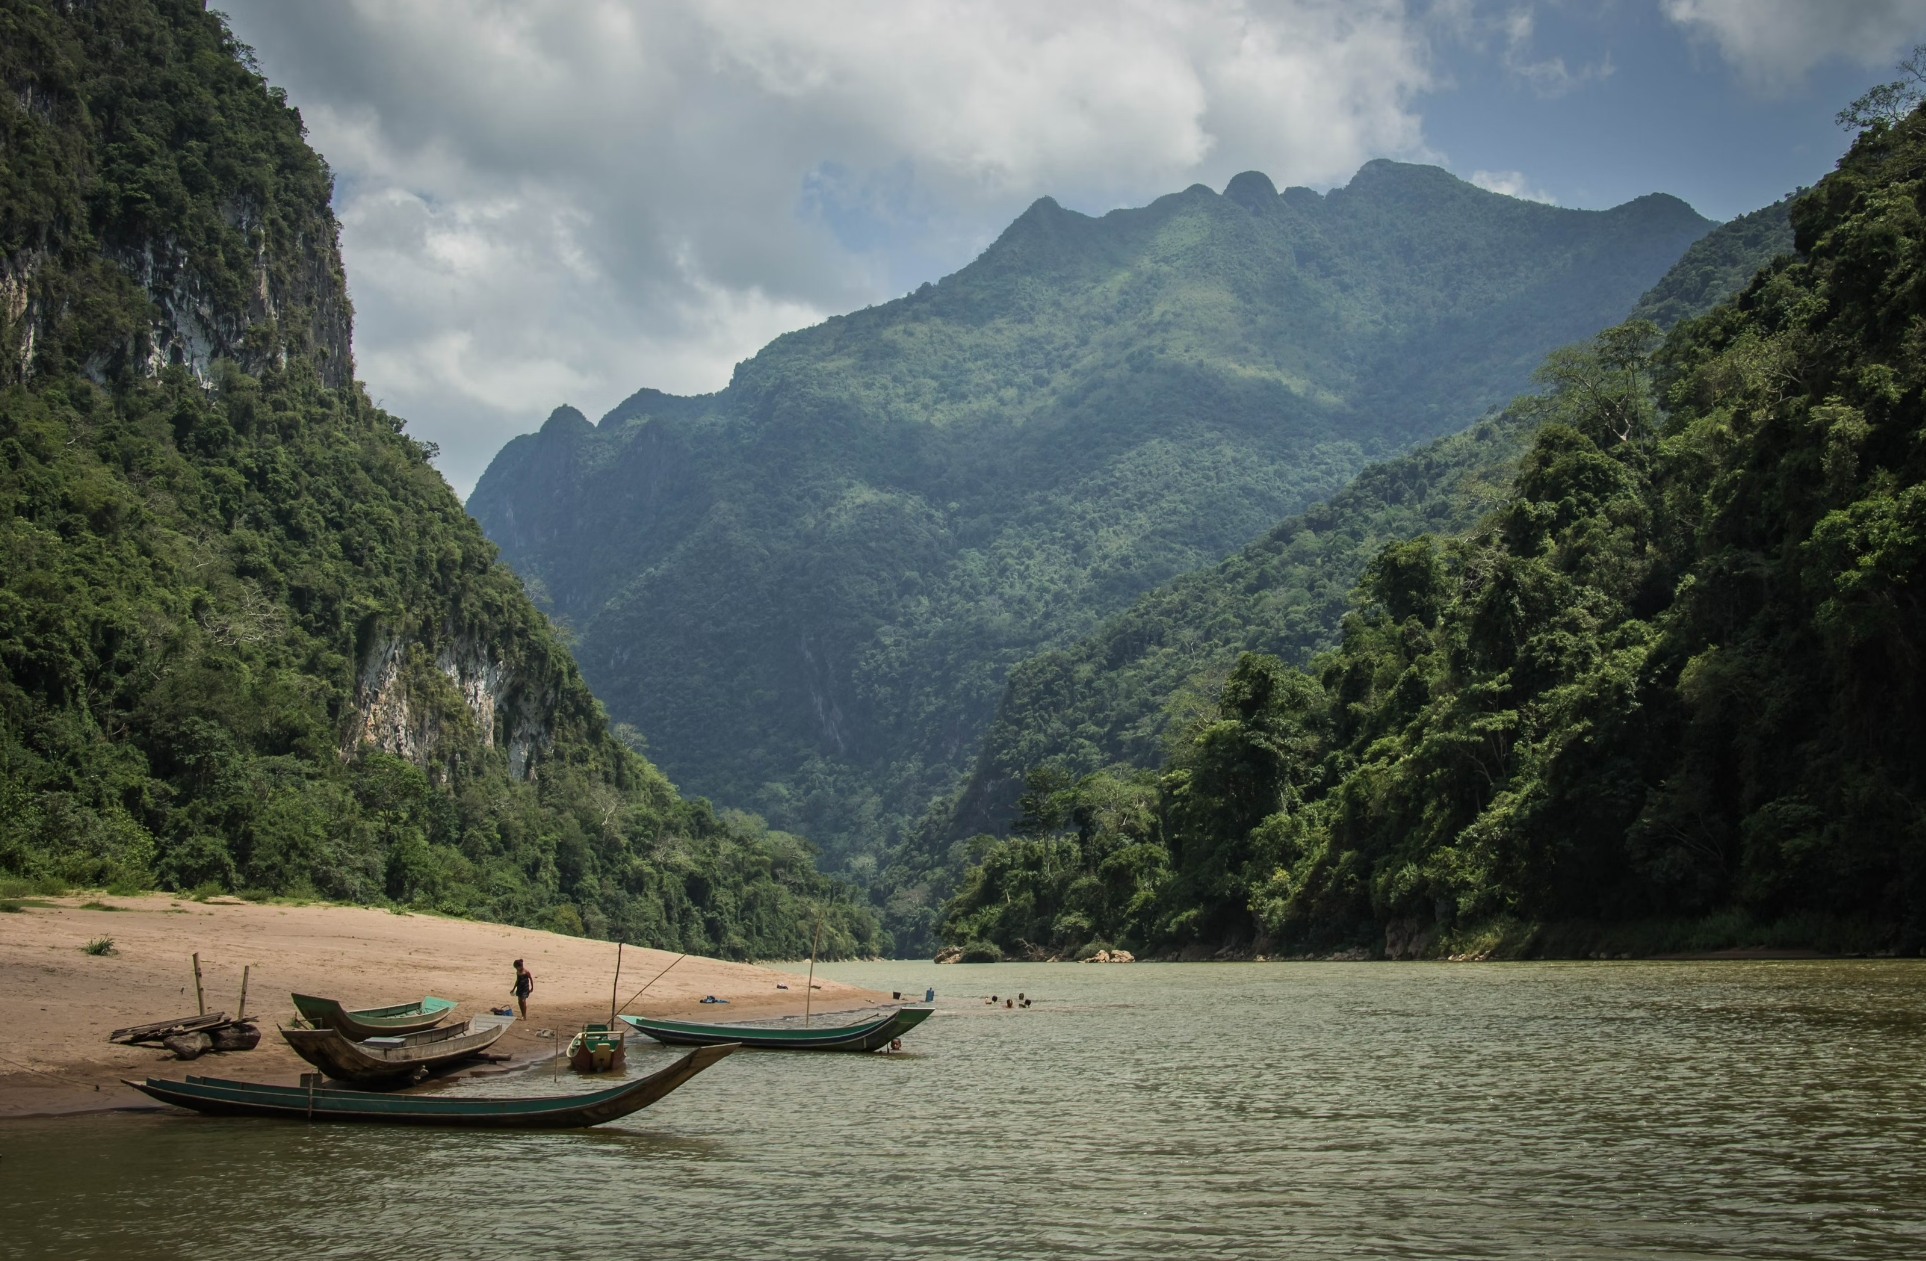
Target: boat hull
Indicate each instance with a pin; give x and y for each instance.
(218, 1097)
(374, 1022)
(597, 1050)
(339, 1057)
(868, 1036)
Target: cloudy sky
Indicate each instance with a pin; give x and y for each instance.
(547, 201)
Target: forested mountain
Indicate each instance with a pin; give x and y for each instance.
(249, 639)
(1718, 265)
(807, 588)
(1667, 693)
(1111, 697)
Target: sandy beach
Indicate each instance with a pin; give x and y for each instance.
(54, 1053)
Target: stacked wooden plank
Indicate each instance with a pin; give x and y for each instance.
(192, 1036)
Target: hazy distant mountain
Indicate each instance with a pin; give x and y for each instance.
(807, 588)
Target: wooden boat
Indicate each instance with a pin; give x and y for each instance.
(387, 1059)
(597, 1049)
(220, 1097)
(867, 1036)
(373, 1022)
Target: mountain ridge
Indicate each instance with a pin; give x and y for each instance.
(804, 588)
(1111, 698)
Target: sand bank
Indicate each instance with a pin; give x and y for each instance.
(54, 1053)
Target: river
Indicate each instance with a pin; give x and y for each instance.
(1728, 1109)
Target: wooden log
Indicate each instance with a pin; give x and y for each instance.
(188, 1046)
(160, 1029)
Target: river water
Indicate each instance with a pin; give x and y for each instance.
(1756, 1109)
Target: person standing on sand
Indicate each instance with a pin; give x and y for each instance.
(524, 986)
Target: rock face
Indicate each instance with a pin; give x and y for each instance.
(224, 265)
(950, 954)
(1406, 939)
(405, 706)
(193, 327)
(1112, 956)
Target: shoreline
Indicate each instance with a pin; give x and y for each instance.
(55, 1058)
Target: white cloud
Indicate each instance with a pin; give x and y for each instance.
(1549, 77)
(1511, 184)
(1773, 43)
(565, 200)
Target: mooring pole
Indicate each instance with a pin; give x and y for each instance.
(200, 998)
(242, 1009)
(809, 992)
(616, 988)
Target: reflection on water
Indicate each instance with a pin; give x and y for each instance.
(1150, 1110)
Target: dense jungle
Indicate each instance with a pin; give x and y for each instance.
(249, 639)
(1664, 693)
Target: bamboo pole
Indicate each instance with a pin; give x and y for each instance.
(809, 992)
(616, 988)
(652, 980)
(200, 998)
(241, 1010)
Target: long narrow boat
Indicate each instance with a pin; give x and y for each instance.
(220, 1097)
(386, 1059)
(373, 1022)
(867, 1036)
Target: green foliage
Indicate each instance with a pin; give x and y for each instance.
(808, 588)
(1114, 696)
(1044, 893)
(1117, 696)
(136, 138)
(1674, 676)
(249, 641)
(99, 946)
(1718, 265)
(1888, 104)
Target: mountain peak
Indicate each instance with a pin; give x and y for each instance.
(1253, 191)
(566, 420)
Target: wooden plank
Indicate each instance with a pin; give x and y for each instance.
(164, 1028)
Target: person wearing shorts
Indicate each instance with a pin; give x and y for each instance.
(524, 985)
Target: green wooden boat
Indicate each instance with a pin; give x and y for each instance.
(373, 1022)
(220, 1097)
(597, 1049)
(867, 1036)
(391, 1058)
